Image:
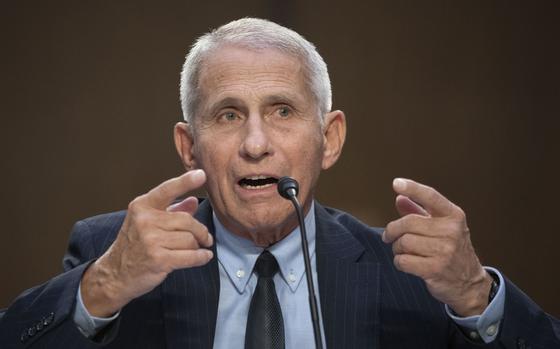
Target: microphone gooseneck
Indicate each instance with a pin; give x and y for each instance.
(288, 188)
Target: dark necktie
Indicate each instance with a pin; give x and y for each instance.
(265, 326)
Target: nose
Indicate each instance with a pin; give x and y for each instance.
(256, 142)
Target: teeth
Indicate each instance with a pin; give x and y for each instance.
(257, 177)
(256, 186)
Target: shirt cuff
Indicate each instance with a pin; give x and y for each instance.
(487, 324)
(89, 325)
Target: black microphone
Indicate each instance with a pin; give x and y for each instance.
(288, 188)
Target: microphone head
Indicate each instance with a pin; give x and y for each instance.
(287, 187)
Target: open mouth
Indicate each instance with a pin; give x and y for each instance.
(257, 182)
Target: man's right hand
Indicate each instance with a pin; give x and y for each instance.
(154, 240)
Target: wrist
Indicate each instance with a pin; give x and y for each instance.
(476, 298)
(99, 291)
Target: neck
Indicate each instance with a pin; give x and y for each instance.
(266, 235)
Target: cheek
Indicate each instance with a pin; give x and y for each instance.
(207, 152)
(214, 159)
(314, 152)
(311, 158)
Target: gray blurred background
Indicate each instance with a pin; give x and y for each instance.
(460, 95)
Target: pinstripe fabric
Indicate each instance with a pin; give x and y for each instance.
(191, 299)
(365, 301)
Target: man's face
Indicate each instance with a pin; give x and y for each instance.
(257, 121)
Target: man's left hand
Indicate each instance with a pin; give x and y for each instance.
(432, 241)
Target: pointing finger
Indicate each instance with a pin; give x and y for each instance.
(429, 198)
(161, 196)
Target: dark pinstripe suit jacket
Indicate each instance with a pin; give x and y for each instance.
(365, 301)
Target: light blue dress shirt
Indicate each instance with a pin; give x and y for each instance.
(236, 258)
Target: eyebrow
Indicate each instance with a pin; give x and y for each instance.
(281, 98)
(224, 103)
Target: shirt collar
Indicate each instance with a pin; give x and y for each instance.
(238, 255)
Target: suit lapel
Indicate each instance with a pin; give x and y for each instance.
(348, 286)
(190, 299)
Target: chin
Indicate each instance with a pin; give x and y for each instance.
(270, 221)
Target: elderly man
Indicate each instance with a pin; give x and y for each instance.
(171, 273)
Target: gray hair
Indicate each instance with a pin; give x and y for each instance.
(257, 34)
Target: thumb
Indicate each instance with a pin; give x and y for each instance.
(189, 205)
(406, 206)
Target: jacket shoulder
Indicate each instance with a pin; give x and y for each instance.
(91, 237)
(105, 222)
(352, 223)
(366, 236)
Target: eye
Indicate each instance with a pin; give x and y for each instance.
(284, 111)
(229, 116)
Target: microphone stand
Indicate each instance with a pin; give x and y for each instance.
(288, 189)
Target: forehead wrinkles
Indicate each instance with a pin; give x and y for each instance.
(250, 73)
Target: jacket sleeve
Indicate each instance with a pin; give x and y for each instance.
(41, 317)
(524, 326)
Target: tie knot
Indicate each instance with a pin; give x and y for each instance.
(266, 265)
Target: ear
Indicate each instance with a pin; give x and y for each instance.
(184, 142)
(334, 134)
